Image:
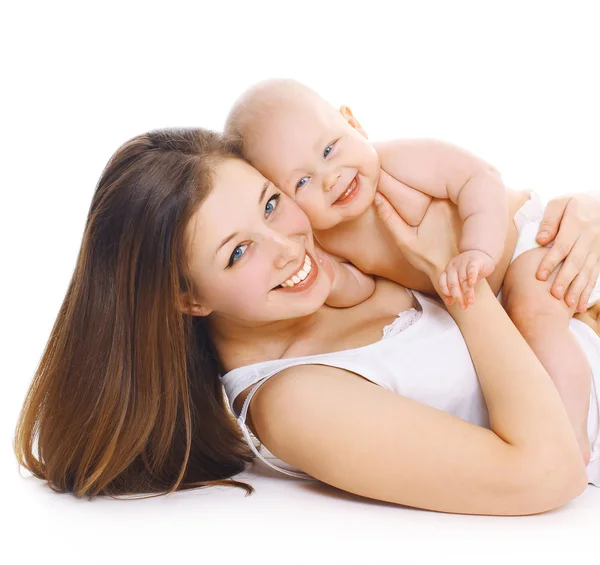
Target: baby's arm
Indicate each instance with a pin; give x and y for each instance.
(442, 170)
(350, 286)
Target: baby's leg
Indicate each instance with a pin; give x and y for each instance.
(544, 323)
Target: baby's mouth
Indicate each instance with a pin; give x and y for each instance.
(349, 193)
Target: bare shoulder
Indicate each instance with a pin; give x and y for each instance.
(354, 435)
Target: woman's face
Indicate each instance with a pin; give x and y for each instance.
(247, 240)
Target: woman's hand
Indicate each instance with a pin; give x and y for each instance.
(429, 246)
(576, 218)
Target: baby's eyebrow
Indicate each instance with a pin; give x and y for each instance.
(319, 143)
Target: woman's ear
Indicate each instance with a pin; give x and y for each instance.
(349, 117)
(191, 307)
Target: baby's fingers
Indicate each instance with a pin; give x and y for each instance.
(465, 274)
(444, 291)
(443, 282)
(454, 286)
(473, 273)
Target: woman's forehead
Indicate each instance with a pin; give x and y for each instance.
(237, 182)
(235, 195)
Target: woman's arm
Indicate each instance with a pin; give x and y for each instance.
(364, 439)
(572, 223)
(517, 385)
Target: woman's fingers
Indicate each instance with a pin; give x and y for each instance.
(399, 229)
(549, 225)
(584, 297)
(574, 262)
(577, 220)
(560, 249)
(553, 219)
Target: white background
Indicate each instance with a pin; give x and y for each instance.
(514, 82)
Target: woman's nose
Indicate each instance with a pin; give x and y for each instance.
(287, 251)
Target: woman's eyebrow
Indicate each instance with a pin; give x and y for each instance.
(227, 239)
(264, 190)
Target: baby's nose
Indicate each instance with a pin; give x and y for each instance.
(331, 180)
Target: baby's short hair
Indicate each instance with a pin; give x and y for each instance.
(258, 104)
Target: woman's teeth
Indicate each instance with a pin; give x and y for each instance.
(300, 275)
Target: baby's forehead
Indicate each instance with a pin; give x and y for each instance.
(303, 104)
(295, 117)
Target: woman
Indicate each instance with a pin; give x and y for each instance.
(169, 292)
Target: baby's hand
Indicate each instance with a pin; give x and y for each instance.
(458, 280)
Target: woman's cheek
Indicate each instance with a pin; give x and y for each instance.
(298, 221)
(294, 217)
(254, 283)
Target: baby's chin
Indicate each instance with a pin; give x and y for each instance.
(362, 203)
(335, 218)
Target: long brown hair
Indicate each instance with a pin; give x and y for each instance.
(127, 397)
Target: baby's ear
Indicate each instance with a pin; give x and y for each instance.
(349, 117)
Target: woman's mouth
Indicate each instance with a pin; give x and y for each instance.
(350, 193)
(303, 278)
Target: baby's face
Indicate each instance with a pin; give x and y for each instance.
(317, 158)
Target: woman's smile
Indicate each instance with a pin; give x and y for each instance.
(303, 278)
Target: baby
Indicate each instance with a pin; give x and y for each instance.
(322, 159)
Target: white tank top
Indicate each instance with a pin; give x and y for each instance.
(423, 356)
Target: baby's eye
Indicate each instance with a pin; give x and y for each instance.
(301, 182)
(272, 203)
(237, 254)
(328, 150)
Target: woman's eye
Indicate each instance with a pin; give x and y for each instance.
(328, 150)
(301, 182)
(272, 204)
(237, 254)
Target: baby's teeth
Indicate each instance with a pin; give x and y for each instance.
(302, 275)
(296, 279)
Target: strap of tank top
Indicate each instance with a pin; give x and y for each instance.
(242, 423)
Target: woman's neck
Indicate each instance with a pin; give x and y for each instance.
(325, 331)
(238, 345)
